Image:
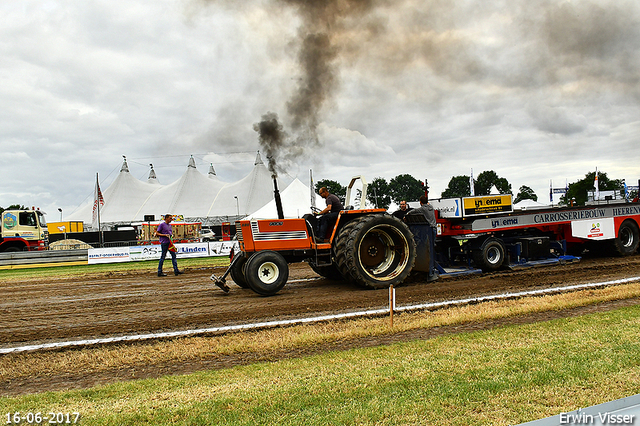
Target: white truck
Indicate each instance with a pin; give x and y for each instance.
(23, 230)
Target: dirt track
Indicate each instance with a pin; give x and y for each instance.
(98, 306)
(114, 304)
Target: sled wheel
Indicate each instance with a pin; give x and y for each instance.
(626, 243)
(266, 272)
(490, 256)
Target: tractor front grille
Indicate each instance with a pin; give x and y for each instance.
(238, 231)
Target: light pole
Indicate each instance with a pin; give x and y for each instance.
(60, 210)
(237, 205)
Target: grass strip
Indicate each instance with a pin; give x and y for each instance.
(502, 376)
(9, 275)
(108, 358)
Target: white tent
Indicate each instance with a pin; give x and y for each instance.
(529, 205)
(190, 196)
(194, 196)
(152, 176)
(123, 200)
(246, 195)
(296, 201)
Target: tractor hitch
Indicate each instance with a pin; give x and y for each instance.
(220, 281)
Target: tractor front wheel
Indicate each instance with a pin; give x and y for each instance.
(266, 272)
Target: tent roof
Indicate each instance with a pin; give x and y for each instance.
(122, 199)
(296, 201)
(244, 196)
(194, 194)
(529, 205)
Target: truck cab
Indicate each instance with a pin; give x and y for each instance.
(23, 230)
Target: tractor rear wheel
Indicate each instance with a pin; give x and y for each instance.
(375, 251)
(628, 239)
(330, 272)
(266, 272)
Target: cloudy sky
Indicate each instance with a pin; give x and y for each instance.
(532, 89)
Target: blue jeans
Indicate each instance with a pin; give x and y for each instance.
(327, 221)
(165, 248)
(432, 251)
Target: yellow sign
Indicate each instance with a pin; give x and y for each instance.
(486, 205)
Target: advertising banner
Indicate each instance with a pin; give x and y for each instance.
(153, 252)
(109, 255)
(487, 204)
(145, 252)
(223, 248)
(600, 229)
(449, 208)
(193, 250)
(184, 250)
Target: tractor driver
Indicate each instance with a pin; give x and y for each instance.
(329, 215)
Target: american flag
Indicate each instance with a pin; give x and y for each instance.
(98, 200)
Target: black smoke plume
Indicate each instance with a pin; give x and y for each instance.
(272, 138)
(318, 58)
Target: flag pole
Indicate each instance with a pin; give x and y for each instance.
(472, 189)
(100, 240)
(312, 192)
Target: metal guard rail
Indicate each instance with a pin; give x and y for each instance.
(45, 256)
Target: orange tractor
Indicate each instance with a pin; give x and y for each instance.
(366, 246)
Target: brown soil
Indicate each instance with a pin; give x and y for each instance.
(39, 311)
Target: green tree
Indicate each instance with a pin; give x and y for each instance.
(13, 207)
(333, 187)
(525, 193)
(405, 187)
(458, 187)
(579, 189)
(487, 179)
(378, 193)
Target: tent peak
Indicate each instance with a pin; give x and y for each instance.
(258, 159)
(152, 174)
(212, 171)
(125, 167)
(192, 162)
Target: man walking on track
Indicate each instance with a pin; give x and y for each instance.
(164, 233)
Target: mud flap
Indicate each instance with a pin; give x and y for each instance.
(421, 234)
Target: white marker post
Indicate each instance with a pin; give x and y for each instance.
(392, 303)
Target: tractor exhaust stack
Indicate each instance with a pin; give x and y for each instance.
(276, 196)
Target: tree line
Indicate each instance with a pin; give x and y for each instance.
(13, 207)
(381, 193)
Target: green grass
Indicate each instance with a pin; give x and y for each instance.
(78, 270)
(502, 376)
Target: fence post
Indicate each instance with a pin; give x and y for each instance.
(392, 303)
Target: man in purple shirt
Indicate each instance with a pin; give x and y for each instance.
(164, 233)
